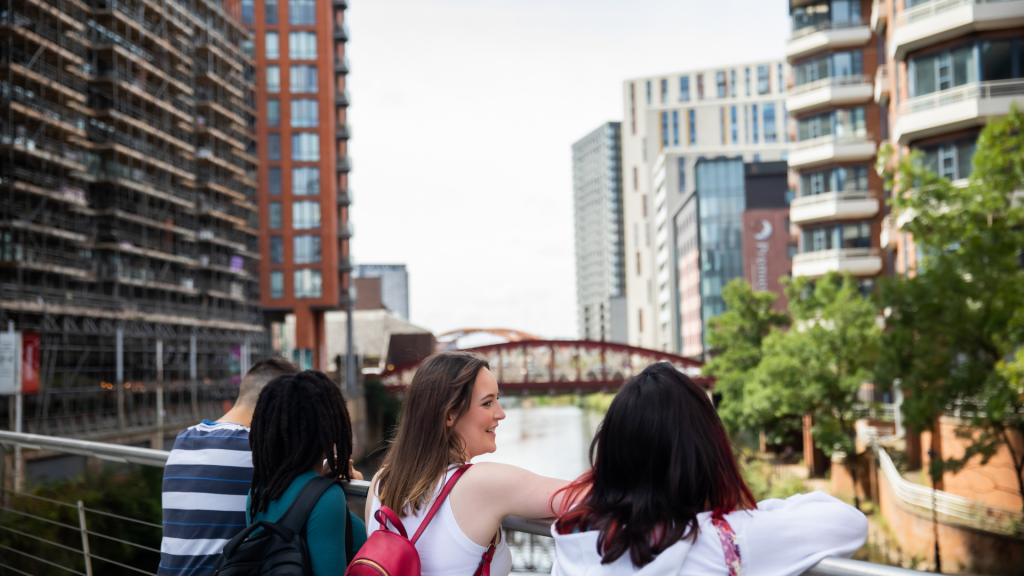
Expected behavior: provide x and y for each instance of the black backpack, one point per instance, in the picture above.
(280, 547)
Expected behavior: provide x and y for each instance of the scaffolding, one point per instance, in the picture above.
(127, 178)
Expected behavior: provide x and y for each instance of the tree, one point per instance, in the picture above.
(737, 335)
(955, 328)
(818, 367)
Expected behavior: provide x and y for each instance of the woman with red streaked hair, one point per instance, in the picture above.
(664, 496)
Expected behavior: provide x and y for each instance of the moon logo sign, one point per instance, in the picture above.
(766, 231)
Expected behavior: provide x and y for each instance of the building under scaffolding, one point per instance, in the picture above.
(127, 177)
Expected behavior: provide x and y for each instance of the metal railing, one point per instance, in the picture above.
(976, 90)
(826, 25)
(835, 140)
(831, 197)
(929, 9)
(840, 254)
(355, 491)
(830, 82)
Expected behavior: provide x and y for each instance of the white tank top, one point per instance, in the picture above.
(444, 549)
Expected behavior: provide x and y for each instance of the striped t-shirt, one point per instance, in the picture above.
(206, 482)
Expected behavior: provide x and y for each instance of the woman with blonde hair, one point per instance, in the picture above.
(449, 416)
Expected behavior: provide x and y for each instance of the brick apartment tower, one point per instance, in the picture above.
(834, 56)
(302, 138)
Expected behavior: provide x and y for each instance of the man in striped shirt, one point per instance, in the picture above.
(207, 479)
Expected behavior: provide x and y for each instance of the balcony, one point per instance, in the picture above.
(827, 35)
(341, 32)
(344, 164)
(879, 17)
(956, 109)
(942, 20)
(345, 197)
(826, 149)
(340, 3)
(856, 261)
(882, 84)
(342, 65)
(833, 206)
(342, 98)
(887, 238)
(345, 229)
(343, 131)
(835, 91)
(346, 263)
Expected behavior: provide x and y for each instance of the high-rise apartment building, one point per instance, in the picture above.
(671, 122)
(394, 285)
(127, 172)
(948, 68)
(835, 57)
(302, 134)
(597, 209)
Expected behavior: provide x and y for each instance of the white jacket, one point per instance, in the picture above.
(781, 537)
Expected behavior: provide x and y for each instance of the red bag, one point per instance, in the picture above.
(389, 554)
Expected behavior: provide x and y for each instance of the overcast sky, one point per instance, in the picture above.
(464, 113)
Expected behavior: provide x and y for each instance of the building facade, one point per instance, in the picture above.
(835, 58)
(597, 210)
(671, 122)
(128, 225)
(302, 137)
(394, 285)
(949, 67)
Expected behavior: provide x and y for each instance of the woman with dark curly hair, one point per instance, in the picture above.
(300, 430)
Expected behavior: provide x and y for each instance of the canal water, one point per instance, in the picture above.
(549, 440)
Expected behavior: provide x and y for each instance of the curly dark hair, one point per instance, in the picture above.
(299, 420)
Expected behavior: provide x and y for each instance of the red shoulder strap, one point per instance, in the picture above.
(439, 500)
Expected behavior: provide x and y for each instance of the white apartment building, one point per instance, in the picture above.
(670, 122)
(597, 209)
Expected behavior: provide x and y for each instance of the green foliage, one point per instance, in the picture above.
(133, 495)
(955, 328)
(737, 335)
(765, 480)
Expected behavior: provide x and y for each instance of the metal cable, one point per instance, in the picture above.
(13, 569)
(75, 528)
(72, 570)
(160, 526)
(41, 498)
(91, 533)
(76, 550)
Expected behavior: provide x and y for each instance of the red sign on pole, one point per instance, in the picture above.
(30, 363)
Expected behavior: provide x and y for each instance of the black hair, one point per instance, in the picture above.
(260, 375)
(299, 420)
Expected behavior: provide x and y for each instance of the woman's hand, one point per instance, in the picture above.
(354, 474)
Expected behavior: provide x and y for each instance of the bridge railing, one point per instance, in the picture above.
(355, 491)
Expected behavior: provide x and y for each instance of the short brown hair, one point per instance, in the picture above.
(424, 446)
(260, 375)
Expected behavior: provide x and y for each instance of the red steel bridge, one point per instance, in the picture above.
(561, 366)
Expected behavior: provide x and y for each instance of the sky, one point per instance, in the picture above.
(463, 116)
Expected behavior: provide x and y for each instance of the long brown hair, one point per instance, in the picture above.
(425, 446)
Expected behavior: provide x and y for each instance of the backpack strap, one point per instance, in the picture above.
(730, 545)
(295, 517)
(439, 500)
(350, 545)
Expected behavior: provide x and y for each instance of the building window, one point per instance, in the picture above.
(746, 124)
(274, 181)
(632, 107)
(682, 174)
(307, 250)
(675, 127)
(769, 123)
(273, 146)
(273, 112)
(271, 46)
(763, 80)
(721, 126)
(305, 215)
(837, 65)
(273, 79)
(844, 236)
(302, 45)
(249, 48)
(732, 83)
(302, 12)
(684, 88)
(945, 70)
(305, 181)
(997, 60)
(664, 129)
(308, 284)
(277, 284)
(274, 215)
(303, 79)
(664, 91)
(637, 263)
(700, 86)
(734, 126)
(848, 123)
(748, 81)
(720, 80)
(782, 85)
(247, 12)
(305, 113)
(693, 127)
(636, 179)
(276, 250)
(844, 179)
(270, 11)
(791, 250)
(754, 125)
(834, 13)
(306, 147)
(951, 160)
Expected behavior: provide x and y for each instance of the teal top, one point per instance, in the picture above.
(325, 527)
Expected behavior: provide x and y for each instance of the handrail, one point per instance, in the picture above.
(980, 90)
(830, 81)
(929, 9)
(836, 140)
(826, 197)
(358, 489)
(836, 253)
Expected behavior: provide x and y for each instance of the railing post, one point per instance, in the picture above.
(85, 539)
(159, 437)
(120, 379)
